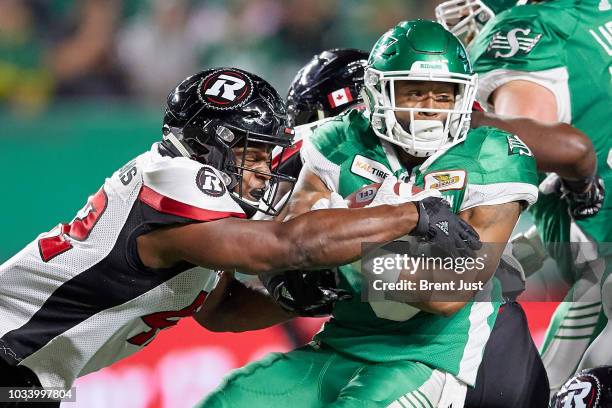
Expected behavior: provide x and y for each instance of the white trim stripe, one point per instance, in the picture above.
(478, 334)
(498, 193)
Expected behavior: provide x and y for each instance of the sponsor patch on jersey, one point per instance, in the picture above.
(369, 169)
(511, 41)
(445, 180)
(209, 182)
(517, 146)
(225, 89)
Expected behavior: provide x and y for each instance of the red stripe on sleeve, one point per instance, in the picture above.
(169, 206)
(287, 153)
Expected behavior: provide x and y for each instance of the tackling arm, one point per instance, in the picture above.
(314, 240)
(310, 189)
(234, 307)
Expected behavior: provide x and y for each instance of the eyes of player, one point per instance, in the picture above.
(418, 95)
(256, 156)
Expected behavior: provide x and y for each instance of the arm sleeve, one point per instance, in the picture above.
(507, 173)
(555, 80)
(525, 44)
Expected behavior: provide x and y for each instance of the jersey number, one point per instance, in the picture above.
(79, 228)
(162, 320)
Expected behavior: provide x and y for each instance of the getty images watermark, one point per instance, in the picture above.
(415, 272)
(412, 271)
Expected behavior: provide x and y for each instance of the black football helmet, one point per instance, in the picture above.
(210, 113)
(330, 83)
(590, 388)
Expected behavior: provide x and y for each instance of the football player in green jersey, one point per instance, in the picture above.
(552, 61)
(392, 353)
(465, 18)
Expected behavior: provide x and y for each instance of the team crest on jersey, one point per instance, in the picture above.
(581, 391)
(445, 180)
(507, 43)
(517, 146)
(369, 169)
(225, 89)
(209, 182)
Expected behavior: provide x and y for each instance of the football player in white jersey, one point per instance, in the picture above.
(145, 249)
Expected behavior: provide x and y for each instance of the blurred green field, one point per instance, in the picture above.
(51, 163)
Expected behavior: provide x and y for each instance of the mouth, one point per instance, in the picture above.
(257, 193)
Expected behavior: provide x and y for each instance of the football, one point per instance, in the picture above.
(366, 194)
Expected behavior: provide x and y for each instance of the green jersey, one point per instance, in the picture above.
(489, 167)
(565, 46)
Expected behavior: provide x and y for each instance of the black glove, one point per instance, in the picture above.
(583, 204)
(306, 293)
(440, 226)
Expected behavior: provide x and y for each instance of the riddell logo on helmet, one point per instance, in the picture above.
(441, 66)
(225, 89)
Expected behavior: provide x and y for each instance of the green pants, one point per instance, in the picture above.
(312, 377)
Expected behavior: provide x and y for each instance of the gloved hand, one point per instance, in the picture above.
(440, 226)
(583, 203)
(437, 223)
(584, 197)
(306, 293)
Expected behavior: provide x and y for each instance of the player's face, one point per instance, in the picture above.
(256, 158)
(423, 94)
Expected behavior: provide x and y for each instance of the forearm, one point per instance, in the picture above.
(558, 148)
(328, 238)
(243, 309)
(314, 240)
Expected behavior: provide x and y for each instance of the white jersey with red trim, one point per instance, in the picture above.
(78, 298)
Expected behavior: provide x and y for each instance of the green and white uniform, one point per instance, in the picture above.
(388, 353)
(565, 46)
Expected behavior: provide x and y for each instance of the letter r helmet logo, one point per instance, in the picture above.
(225, 89)
(229, 84)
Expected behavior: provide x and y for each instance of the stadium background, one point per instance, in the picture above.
(82, 88)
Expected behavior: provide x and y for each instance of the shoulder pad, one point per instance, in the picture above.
(332, 138)
(503, 170)
(186, 188)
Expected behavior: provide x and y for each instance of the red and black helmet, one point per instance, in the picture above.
(329, 84)
(214, 111)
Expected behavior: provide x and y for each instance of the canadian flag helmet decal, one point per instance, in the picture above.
(340, 97)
